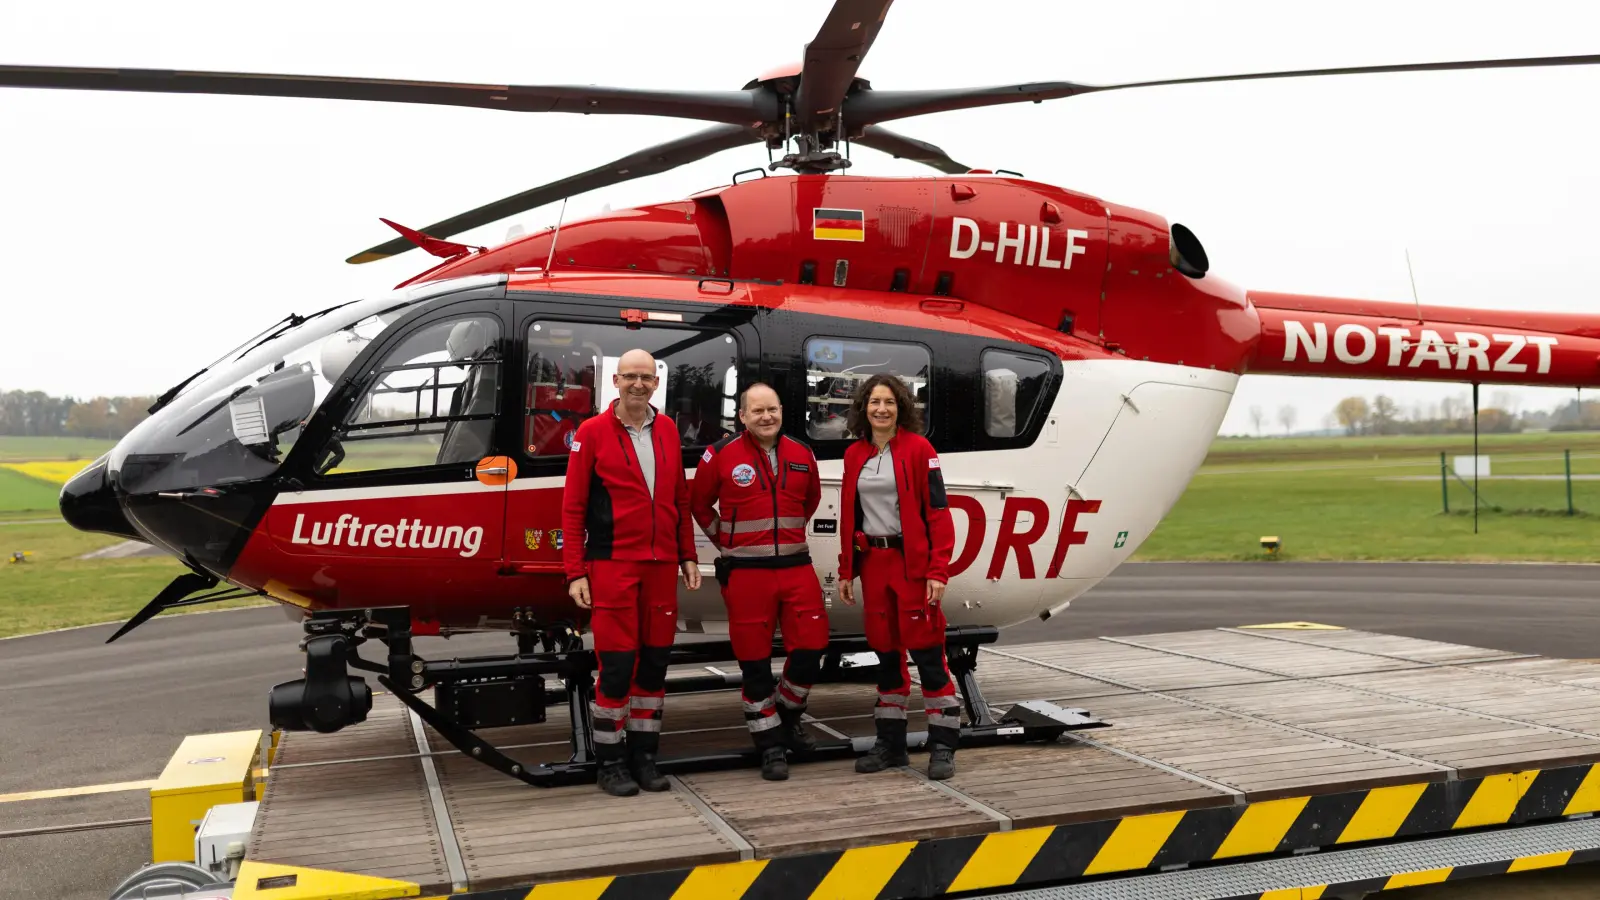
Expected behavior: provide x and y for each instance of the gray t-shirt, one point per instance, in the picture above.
(875, 491)
(643, 450)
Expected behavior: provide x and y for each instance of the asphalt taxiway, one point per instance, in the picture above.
(78, 712)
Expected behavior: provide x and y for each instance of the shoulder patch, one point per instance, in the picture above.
(576, 444)
(707, 456)
(933, 462)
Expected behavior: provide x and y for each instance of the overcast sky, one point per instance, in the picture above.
(140, 235)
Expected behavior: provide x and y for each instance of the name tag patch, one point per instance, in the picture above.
(799, 467)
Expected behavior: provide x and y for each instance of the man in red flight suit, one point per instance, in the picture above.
(753, 494)
(626, 511)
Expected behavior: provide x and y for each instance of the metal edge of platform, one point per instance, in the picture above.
(1127, 847)
(1354, 873)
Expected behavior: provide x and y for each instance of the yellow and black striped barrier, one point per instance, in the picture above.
(1058, 854)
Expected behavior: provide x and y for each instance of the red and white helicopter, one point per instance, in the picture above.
(392, 467)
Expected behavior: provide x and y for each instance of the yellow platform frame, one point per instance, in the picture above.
(205, 771)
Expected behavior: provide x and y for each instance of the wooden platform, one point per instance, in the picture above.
(1224, 744)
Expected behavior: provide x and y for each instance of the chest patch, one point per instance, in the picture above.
(743, 474)
(799, 467)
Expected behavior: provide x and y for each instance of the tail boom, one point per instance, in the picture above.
(1332, 337)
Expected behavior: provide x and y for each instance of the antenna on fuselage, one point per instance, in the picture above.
(1413, 276)
(550, 260)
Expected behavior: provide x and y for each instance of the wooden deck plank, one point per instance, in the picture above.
(892, 806)
(1551, 705)
(1264, 654)
(1416, 649)
(1008, 681)
(307, 818)
(1575, 672)
(509, 831)
(1074, 782)
(1458, 739)
(1167, 731)
(1146, 669)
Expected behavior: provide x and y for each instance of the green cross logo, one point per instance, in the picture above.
(1122, 538)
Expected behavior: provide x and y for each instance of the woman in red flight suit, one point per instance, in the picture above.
(899, 544)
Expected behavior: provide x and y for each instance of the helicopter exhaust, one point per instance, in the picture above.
(1186, 253)
(328, 698)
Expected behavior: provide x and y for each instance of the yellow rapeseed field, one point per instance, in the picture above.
(54, 471)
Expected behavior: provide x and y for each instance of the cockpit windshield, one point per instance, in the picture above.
(238, 419)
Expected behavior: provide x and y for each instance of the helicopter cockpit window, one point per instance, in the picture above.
(1012, 385)
(430, 401)
(836, 367)
(570, 365)
(238, 419)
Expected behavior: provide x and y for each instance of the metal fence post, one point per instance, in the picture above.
(1568, 454)
(1444, 482)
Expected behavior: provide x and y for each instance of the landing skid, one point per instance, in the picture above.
(511, 690)
(1033, 720)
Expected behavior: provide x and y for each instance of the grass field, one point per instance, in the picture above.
(1381, 499)
(21, 493)
(25, 449)
(1390, 447)
(55, 589)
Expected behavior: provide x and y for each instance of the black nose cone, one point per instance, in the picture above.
(89, 503)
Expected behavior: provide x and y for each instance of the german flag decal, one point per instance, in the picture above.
(838, 225)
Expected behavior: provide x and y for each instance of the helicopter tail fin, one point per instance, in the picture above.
(436, 246)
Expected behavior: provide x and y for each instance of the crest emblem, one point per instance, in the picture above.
(555, 537)
(531, 537)
(743, 474)
(568, 440)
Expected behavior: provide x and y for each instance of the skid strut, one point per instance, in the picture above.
(485, 690)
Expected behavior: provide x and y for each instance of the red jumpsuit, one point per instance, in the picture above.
(896, 615)
(755, 510)
(631, 547)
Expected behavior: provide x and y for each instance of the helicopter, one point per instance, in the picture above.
(392, 467)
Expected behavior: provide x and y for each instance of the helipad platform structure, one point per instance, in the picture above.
(1270, 747)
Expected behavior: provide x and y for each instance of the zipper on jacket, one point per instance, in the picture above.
(761, 467)
(655, 447)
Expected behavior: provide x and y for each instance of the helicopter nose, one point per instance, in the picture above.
(89, 503)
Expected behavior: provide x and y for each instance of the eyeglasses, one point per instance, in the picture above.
(631, 377)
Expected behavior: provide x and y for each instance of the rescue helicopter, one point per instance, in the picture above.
(392, 467)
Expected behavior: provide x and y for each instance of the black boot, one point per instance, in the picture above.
(941, 763)
(890, 749)
(642, 747)
(774, 765)
(794, 734)
(615, 780)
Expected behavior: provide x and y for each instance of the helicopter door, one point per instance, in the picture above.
(569, 361)
(413, 470)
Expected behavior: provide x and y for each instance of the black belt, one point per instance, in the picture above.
(885, 543)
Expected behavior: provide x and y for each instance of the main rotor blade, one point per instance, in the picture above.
(731, 107)
(649, 161)
(832, 58)
(902, 147)
(884, 106)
